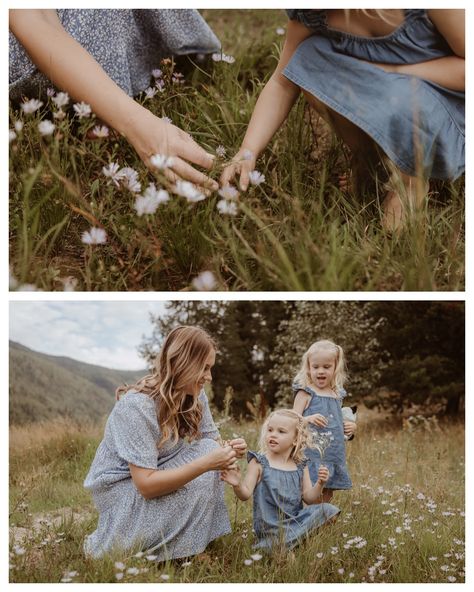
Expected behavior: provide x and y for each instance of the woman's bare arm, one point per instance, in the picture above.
(70, 67)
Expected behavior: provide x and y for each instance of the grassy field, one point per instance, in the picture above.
(403, 521)
(295, 231)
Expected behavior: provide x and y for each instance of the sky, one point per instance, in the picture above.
(105, 333)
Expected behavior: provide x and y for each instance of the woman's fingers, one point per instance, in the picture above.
(190, 150)
(187, 172)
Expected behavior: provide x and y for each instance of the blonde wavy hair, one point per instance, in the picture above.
(303, 377)
(180, 363)
(304, 438)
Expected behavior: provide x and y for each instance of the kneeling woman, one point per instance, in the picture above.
(154, 477)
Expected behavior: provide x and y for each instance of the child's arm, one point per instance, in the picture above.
(301, 402)
(272, 108)
(243, 489)
(450, 70)
(312, 494)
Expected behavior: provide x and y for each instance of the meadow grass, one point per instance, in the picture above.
(296, 231)
(403, 521)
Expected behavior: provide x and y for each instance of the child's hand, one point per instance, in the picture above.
(349, 428)
(323, 474)
(239, 445)
(318, 420)
(242, 164)
(232, 477)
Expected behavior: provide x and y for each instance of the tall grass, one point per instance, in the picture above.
(403, 521)
(297, 231)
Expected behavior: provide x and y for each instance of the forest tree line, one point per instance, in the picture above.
(399, 353)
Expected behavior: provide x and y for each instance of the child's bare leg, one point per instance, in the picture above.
(405, 195)
(363, 152)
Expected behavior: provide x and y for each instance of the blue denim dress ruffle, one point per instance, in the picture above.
(418, 124)
(335, 454)
(128, 44)
(278, 511)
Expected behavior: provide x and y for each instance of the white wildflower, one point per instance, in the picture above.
(113, 171)
(31, 106)
(220, 151)
(189, 191)
(227, 207)
(248, 562)
(50, 92)
(46, 127)
(19, 550)
(82, 109)
(256, 557)
(256, 178)
(119, 565)
(129, 178)
(161, 161)
(222, 57)
(186, 564)
(451, 579)
(133, 571)
(340, 571)
(151, 557)
(160, 86)
(61, 99)
(150, 92)
(139, 554)
(94, 236)
(101, 131)
(156, 73)
(11, 136)
(119, 576)
(164, 577)
(228, 192)
(205, 282)
(280, 31)
(167, 119)
(319, 555)
(59, 115)
(18, 125)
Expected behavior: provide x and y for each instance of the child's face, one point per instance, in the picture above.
(204, 376)
(322, 365)
(280, 436)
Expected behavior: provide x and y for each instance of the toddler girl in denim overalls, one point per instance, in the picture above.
(319, 392)
(279, 481)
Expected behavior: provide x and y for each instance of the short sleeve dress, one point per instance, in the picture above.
(179, 524)
(419, 125)
(128, 44)
(335, 454)
(278, 511)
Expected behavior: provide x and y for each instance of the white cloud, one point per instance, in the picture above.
(102, 333)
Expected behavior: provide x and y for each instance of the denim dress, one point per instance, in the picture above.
(128, 44)
(334, 457)
(418, 124)
(278, 511)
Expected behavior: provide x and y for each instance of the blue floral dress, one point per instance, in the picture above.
(128, 44)
(335, 455)
(178, 524)
(278, 511)
(418, 124)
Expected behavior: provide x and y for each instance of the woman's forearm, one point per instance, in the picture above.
(70, 67)
(155, 483)
(271, 110)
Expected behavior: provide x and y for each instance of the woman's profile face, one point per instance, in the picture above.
(204, 376)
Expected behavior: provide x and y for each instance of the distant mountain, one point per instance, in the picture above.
(44, 386)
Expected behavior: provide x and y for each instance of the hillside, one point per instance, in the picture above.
(44, 387)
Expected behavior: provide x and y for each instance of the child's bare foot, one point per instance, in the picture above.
(405, 196)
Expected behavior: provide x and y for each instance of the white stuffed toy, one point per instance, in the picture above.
(349, 414)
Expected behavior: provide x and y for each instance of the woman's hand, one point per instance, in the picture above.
(239, 445)
(232, 477)
(349, 428)
(151, 135)
(221, 458)
(318, 420)
(323, 475)
(242, 164)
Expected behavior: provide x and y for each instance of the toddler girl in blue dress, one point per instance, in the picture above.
(279, 482)
(389, 82)
(319, 392)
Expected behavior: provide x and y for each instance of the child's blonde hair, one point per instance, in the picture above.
(179, 364)
(303, 437)
(303, 377)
